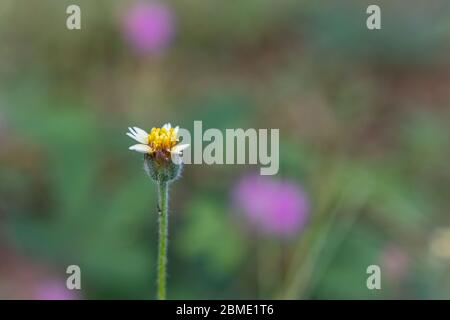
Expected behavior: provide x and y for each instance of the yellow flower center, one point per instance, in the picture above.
(162, 139)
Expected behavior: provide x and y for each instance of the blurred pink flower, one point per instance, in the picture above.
(395, 262)
(149, 27)
(55, 290)
(273, 206)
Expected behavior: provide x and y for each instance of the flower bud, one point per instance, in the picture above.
(161, 168)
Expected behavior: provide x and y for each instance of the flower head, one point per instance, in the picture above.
(161, 149)
(272, 206)
(162, 141)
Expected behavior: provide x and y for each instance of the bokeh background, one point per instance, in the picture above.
(364, 148)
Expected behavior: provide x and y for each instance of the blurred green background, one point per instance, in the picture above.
(364, 131)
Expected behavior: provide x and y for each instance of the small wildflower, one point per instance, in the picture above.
(162, 161)
(161, 149)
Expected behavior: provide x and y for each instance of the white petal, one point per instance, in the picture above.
(142, 135)
(141, 132)
(167, 126)
(138, 134)
(178, 148)
(142, 148)
(176, 130)
(132, 131)
(136, 138)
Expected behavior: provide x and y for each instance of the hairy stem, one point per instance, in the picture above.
(163, 235)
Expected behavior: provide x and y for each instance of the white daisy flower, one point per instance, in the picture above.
(160, 141)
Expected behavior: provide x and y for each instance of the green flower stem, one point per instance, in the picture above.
(163, 235)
